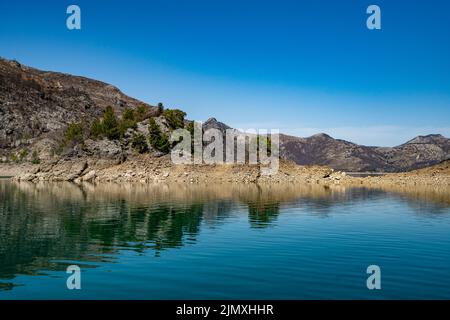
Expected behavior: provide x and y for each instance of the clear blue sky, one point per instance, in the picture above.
(300, 66)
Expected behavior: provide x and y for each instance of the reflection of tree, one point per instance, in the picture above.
(263, 206)
(33, 235)
(160, 227)
(167, 225)
(262, 214)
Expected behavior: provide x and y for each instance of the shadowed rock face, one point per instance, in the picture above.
(36, 106)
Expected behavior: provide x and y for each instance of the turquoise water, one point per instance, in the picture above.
(195, 242)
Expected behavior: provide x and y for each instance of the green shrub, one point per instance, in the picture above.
(128, 121)
(23, 154)
(142, 109)
(35, 158)
(139, 143)
(190, 128)
(158, 140)
(96, 129)
(128, 114)
(124, 125)
(74, 133)
(175, 118)
(160, 109)
(110, 125)
(142, 113)
(113, 128)
(14, 157)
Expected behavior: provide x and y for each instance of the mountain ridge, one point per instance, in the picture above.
(37, 106)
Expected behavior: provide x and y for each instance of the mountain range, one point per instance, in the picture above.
(37, 106)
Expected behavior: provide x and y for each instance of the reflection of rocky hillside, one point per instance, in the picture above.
(45, 222)
(49, 228)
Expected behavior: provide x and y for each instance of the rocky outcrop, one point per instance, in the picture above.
(72, 170)
(147, 169)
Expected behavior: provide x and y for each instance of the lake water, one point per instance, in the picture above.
(222, 242)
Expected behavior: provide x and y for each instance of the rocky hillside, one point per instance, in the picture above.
(322, 149)
(38, 105)
(338, 154)
(37, 109)
(417, 153)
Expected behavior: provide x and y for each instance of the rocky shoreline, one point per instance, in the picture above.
(149, 169)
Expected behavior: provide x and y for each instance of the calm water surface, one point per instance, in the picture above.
(206, 242)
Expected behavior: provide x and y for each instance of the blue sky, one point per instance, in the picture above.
(300, 66)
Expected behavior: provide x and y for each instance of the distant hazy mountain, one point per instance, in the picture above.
(36, 106)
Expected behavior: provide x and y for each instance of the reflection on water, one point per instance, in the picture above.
(45, 227)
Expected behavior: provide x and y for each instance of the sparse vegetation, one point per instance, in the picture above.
(13, 157)
(20, 156)
(58, 149)
(27, 136)
(35, 158)
(23, 154)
